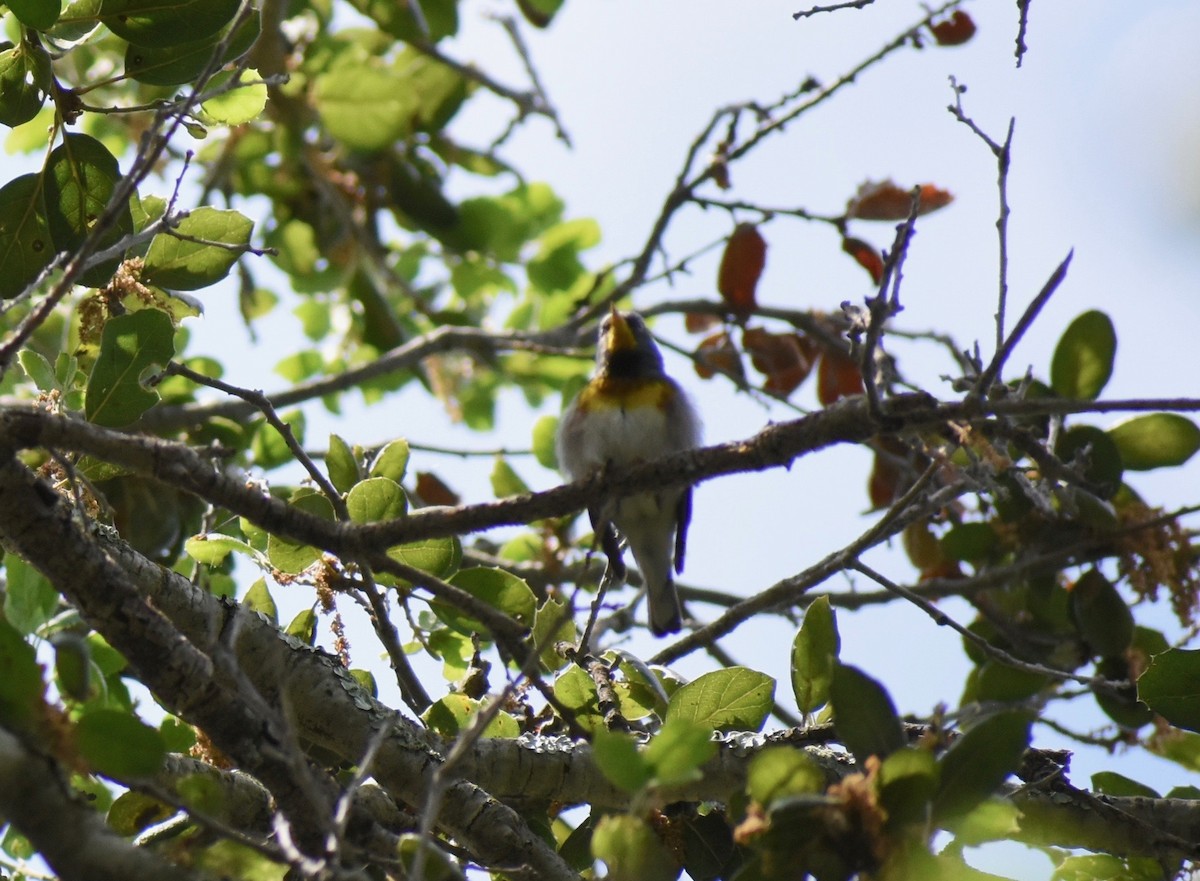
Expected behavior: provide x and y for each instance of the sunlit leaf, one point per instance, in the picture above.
(1083, 358)
(199, 252)
(131, 345)
(80, 178)
(25, 75)
(735, 698)
(1155, 440)
(814, 654)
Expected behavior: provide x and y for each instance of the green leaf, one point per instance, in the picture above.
(130, 346)
(678, 750)
(72, 665)
(1101, 615)
(454, 713)
(733, 699)
(1083, 359)
(505, 480)
(864, 715)
(211, 548)
(631, 850)
(969, 542)
(999, 682)
(366, 679)
(269, 447)
(439, 557)
(440, 16)
(616, 755)
(176, 65)
(1103, 468)
(26, 247)
(391, 461)
(304, 627)
(545, 430)
(243, 101)
(38, 369)
(438, 866)
(576, 691)
(258, 599)
(907, 781)
(1112, 783)
(1103, 867)
(25, 80)
(37, 14)
(30, 600)
(979, 761)
(1156, 440)
(440, 89)
(341, 464)
(21, 685)
(539, 13)
(188, 264)
(994, 819)
(814, 654)
(161, 23)
(782, 771)
(365, 108)
(1169, 687)
(80, 178)
(376, 498)
(287, 556)
(500, 589)
(134, 811)
(119, 745)
(554, 624)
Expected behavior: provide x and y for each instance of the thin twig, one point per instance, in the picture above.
(1003, 154)
(849, 4)
(992, 373)
(942, 619)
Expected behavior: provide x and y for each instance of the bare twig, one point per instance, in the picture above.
(849, 4)
(992, 373)
(1003, 154)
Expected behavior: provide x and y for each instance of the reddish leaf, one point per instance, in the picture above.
(433, 491)
(955, 30)
(741, 266)
(884, 200)
(866, 256)
(933, 198)
(884, 487)
(785, 359)
(698, 322)
(717, 354)
(837, 377)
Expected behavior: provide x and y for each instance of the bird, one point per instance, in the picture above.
(629, 412)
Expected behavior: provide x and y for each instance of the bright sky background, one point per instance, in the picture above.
(1105, 161)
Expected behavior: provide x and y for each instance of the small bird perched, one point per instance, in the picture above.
(629, 412)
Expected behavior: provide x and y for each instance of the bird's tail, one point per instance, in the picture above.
(649, 523)
(652, 545)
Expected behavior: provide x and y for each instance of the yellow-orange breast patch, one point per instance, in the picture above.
(621, 393)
